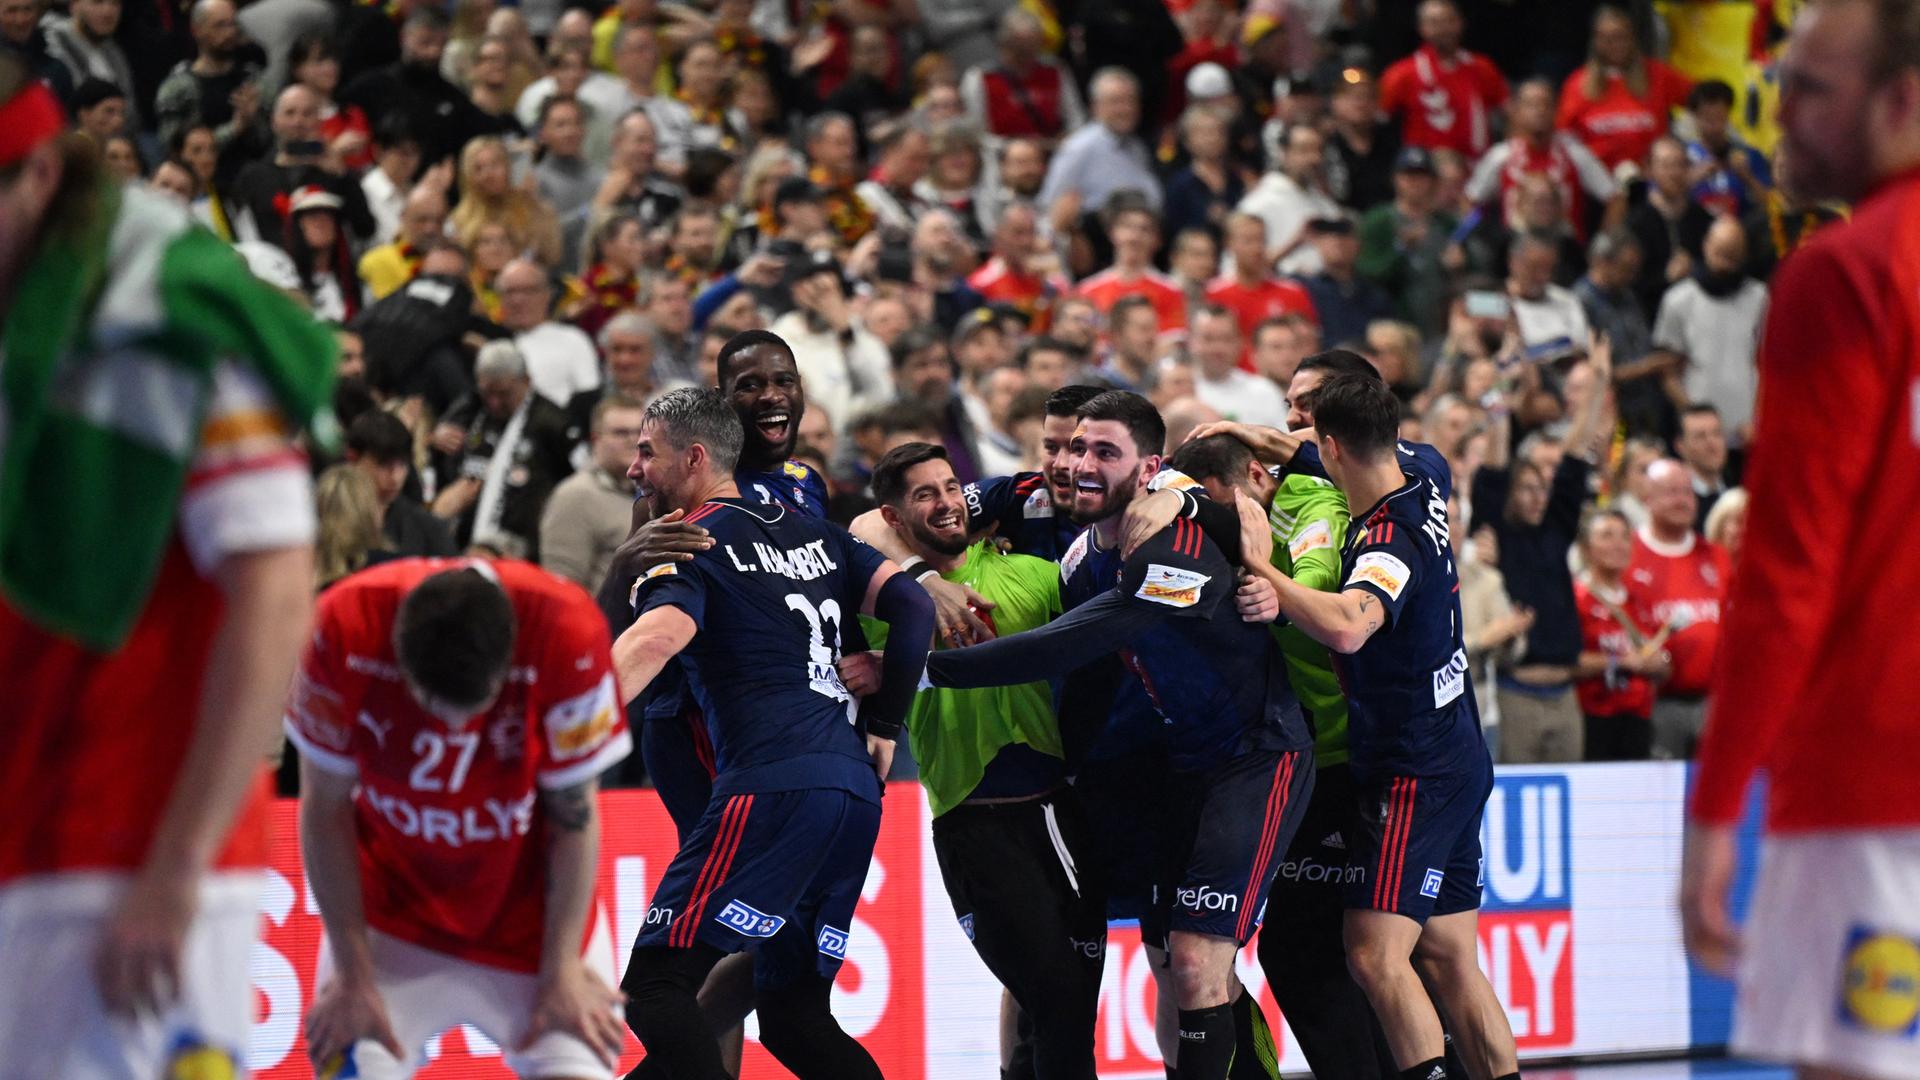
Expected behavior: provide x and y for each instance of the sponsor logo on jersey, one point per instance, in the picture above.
(1038, 505)
(1381, 570)
(1205, 898)
(579, 725)
(1315, 537)
(318, 712)
(1076, 554)
(1880, 987)
(662, 570)
(1430, 885)
(1315, 872)
(966, 925)
(833, 942)
(1335, 841)
(796, 470)
(1172, 585)
(374, 727)
(659, 916)
(742, 919)
(1092, 949)
(491, 819)
(1450, 681)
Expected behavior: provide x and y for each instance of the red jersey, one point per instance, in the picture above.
(1682, 587)
(1107, 287)
(1821, 671)
(1254, 304)
(1030, 294)
(1025, 106)
(1617, 126)
(91, 745)
(1603, 631)
(444, 813)
(1443, 104)
(1573, 170)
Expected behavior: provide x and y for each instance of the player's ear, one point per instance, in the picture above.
(891, 516)
(1151, 466)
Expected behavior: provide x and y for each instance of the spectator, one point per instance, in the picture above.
(1620, 100)
(1680, 581)
(1711, 324)
(498, 454)
(1362, 148)
(175, 180)
(833, 166)
(1103, 156)
(1218, 379)
(634, 183)
(1493, 631)
(591, 512)
(1050, 363)
(312, 63)
(489, 197)
(385, 187)
(1135, 232)
(1620, 658)
(1292, 194)
(955, 180)
(559, 359)
(845, 369)
(1535, 149)
(1780, 222)
(942, 258)
(1726, 525)
(1133, 331)
(1671, 227)
(319, 252)
(1344, 301)
(83, 40)
(490, 83)
(1606, 295)
(22, 36)
(1627, 488)
(1027, 95)
(216, 89)
(923, 371)
(1443, 95)
(348, 519)
(1280, 343)
(871, 94)
(904, 156)
(379, 445)
(612, 278)
(1551, 322)
(1702, 448)
(1204, 191)
(100, 110)
(669, 304)
(565, 179)
(1020, 272)
(1407, 244)
(1021, 169)
(570, 74)
(1729, 177)
(122, 159)
(1195, 258)
(417, 336)
(1248, 288)
(262, 189)
(493, 248)
(629, 341)
(386, 268)
(440, 116)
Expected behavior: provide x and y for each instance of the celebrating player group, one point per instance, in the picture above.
(1136, 684)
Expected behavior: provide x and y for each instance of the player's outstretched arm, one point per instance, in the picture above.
(645, 647)
(1270, 445)
(347, 1007)
(570, 997)
(269, 595)
(1094, 629)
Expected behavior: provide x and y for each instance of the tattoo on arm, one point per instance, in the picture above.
(569, 808)
(1366, 603)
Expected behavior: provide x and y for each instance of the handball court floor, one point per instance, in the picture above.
(1692, 1069)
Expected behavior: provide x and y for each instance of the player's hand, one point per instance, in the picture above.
(1270, 445)
(344, 1012)
(575, 1000)
(1256, 532)
(881, 751)
(1256, 599)
(1706, 873)
(663, 540)
(953, 611)
(1146, 517)
(860, 673)
(137, 964)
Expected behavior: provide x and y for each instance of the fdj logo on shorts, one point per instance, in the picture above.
(742, 919)
(1880, 983)
(1526, 924)
(833, 942)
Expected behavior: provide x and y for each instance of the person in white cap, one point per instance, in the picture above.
(320, 259)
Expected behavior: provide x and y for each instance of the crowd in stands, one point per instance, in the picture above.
(527, 221)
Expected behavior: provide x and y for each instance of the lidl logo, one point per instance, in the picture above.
(1880, 989)
(1526, 922)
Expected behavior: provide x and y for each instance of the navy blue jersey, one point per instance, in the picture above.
(1413, 456)
(1019, 508)
(770, 600)
(1411, 699)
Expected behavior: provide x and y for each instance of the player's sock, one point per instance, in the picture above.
(1255, 1057)
(1430, 1069)
(1206, 1043)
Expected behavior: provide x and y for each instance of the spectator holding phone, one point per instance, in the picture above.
(262, 193)
(1551, 321)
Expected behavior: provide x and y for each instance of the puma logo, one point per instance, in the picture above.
(366, 720)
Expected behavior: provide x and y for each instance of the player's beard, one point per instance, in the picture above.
(1113, 501)
(945, 542)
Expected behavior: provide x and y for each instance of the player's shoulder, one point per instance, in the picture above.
(1076, 555)
(537, 589)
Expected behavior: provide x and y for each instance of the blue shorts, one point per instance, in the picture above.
(678, 753)
(1230, 831)
(774, 873)
(1416, 843)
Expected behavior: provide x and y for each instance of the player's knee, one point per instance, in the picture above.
(1374, 963)
(794, 1018)
(1199, 978)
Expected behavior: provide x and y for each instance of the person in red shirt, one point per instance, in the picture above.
(1536, 149)
(1135, 233)
(453, 718)
(1009, 276)
(1028, 94)
(1821, 671)
(1679, 581)
(1443, 95)
(1248, 290)
(1620, 656)
(1619, 101)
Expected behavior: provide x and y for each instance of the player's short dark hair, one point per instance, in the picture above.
(1067, 400)
(379, 437)
(745, 340)
(453, 635)
(1360, 413)
(890, 474)
(1141, 419)
(700, 414)
(1709, 92)
(1337, 362)
(1216, 457)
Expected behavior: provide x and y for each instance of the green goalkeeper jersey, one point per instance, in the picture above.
(1309, 520)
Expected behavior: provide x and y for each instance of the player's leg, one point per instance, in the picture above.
(726, 999)
(1448, 956)
(663, 1009)
(1302, 950)
(1380, 955)
(1016, 1040)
